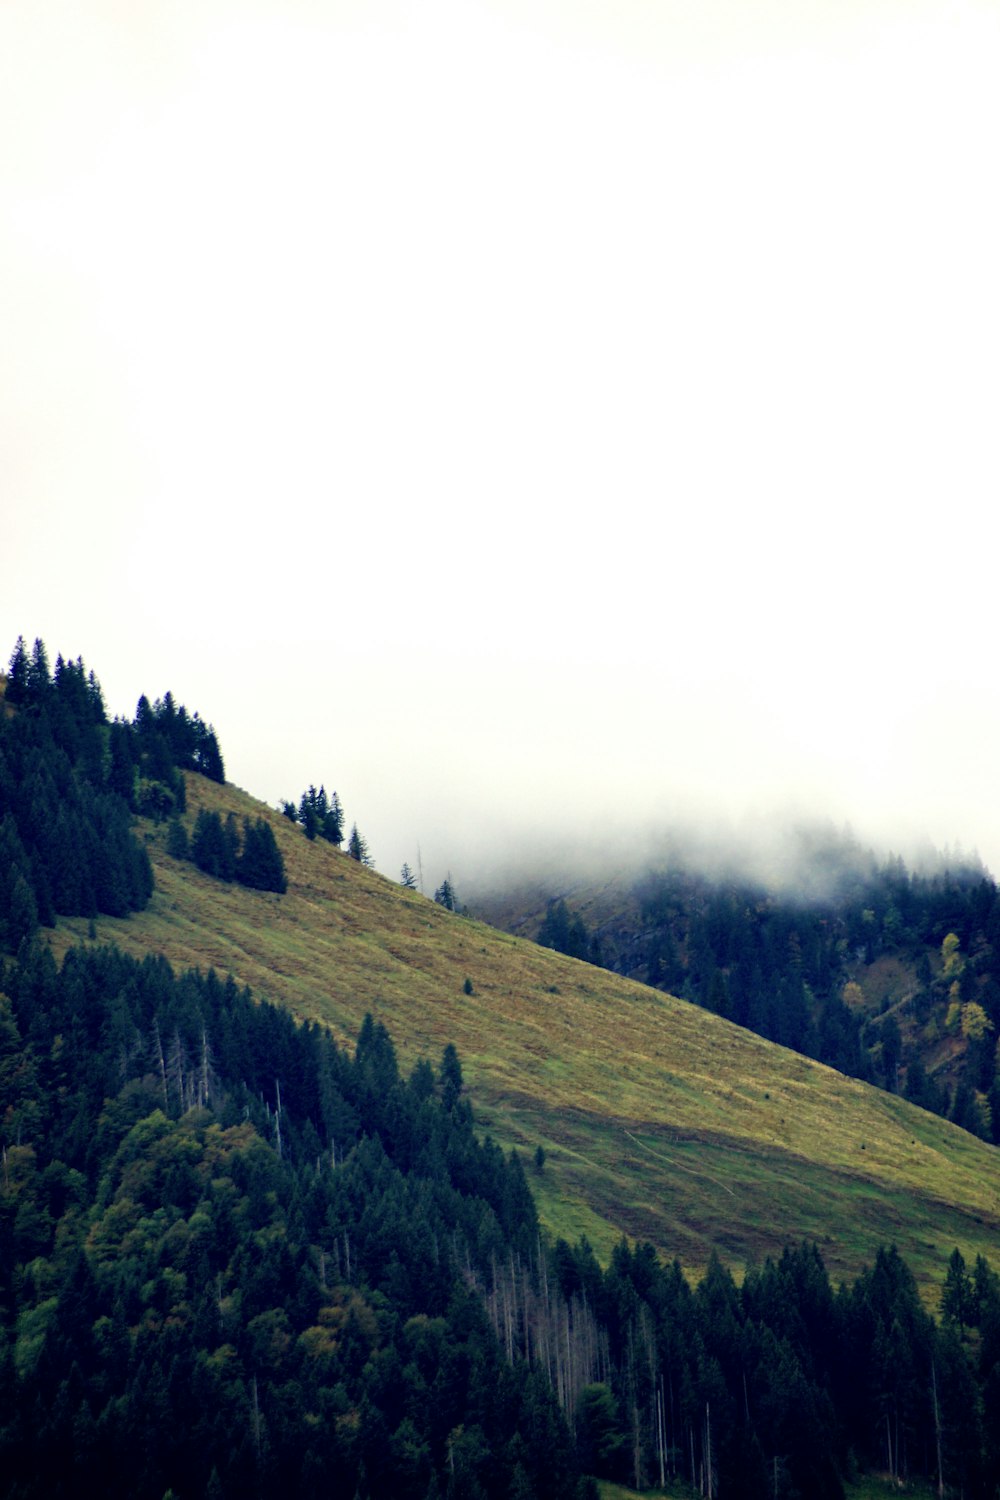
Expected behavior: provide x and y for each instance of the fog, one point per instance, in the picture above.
(544, 425)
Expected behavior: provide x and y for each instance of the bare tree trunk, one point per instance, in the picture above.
(661, 1433)
(256, 1419)
(206, 1069)
(636, 1446)
(163, 1066)
(177, 1072)
(937, 1432)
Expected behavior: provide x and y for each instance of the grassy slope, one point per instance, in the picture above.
(872, 1487)
(657, 1118)
(888, 985)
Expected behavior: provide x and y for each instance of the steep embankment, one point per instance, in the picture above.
(657, 1118)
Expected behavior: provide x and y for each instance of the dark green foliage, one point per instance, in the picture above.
(923, 1090)
(957, 1294)
(70, 782)
(599, 1434)
(169, 737)
(260, 864)
(215, 845)
(777, 1387)
(255, 861)
(564, 931)
(216, 1229)
(445, 895)
(450, 1077)
(234, 1260)
(357, 848)
(320, 816)
(122, 770)
(332, 822)
(66, 841)
(17, 673)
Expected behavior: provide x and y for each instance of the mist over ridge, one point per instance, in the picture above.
(808, 859)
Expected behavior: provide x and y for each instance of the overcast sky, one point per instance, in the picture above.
(510, 412)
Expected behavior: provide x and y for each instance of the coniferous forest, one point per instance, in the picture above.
(234, 1257)
(237, 1259)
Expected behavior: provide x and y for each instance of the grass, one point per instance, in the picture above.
(610, 1491)
(877, 1487)
(871, 1487)
(658, 1119)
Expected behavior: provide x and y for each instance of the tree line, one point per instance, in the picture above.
(778, 1386)
(67, 846)
(71, 784)
(224, 849)
(322, 817)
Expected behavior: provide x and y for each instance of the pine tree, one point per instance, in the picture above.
(260, 864)
(308, 816)
(207, 756)
(450, 1077)
(122, 775)
(39, 678)
(332, 828)
(956, 1295)
(357, 847)
(208, 845)
(17, 673)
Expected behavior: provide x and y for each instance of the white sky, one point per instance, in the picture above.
(520, 411)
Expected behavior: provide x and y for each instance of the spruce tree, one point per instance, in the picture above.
(260, 864)
(357, 847)
(308, 816)
(333, 822)
(39, 677)
(17, 673)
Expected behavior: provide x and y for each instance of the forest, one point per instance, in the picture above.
(237, 1257)
(72, 783)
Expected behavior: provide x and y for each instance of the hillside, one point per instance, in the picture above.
(657, 1118)
(887, 973)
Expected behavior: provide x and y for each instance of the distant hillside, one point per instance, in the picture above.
(889, 974)
(655, 1118)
